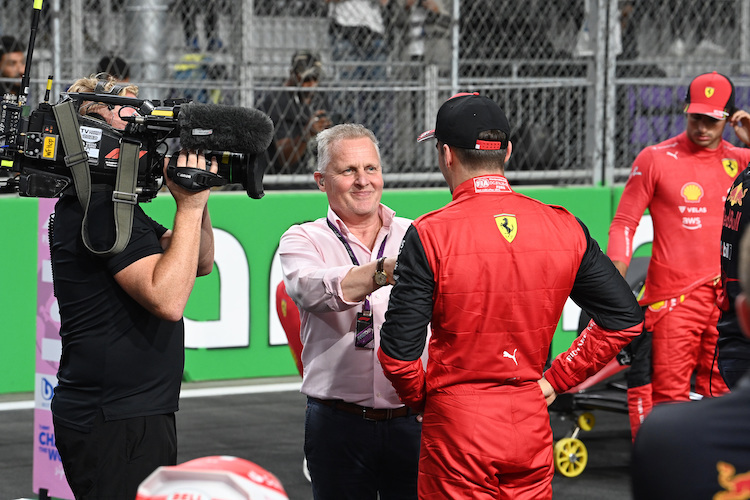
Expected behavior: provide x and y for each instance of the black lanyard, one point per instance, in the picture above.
(349, 250)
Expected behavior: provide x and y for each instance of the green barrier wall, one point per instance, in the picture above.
(256, 226)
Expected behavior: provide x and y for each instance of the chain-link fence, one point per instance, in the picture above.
(585, 83)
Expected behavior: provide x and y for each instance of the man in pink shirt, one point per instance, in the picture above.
(360, 439)
(683, 181)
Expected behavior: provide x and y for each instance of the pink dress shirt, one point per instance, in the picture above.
(314, 262)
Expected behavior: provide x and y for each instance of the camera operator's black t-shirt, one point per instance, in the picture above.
(116, 356)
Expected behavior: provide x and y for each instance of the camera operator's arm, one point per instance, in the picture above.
(162, 283)
(292, 149)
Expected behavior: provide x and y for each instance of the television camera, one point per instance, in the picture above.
(54, 147)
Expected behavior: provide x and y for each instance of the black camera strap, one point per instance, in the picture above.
(123, 196)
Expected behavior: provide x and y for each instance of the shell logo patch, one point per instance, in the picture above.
(736, 195)
(709, 91)
(730, 166)
(284, 311)
(507, 225)
(692, 192)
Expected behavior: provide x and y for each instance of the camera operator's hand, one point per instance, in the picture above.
(192, 205)
(182, 196)
(318, 122)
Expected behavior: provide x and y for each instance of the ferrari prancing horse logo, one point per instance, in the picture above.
(507, 225)
(730, 166)
(709, 92)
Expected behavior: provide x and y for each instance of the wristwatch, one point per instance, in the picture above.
(380, 277)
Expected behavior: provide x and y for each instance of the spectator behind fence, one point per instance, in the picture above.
(360, 440)
(12, 64)
(492, 271)
(733, 345)
(298, 115)
(682, 181)
(115, 66)
(188, 11)
(357, 32)
(699, 449)
(429, 39)
(121, 325)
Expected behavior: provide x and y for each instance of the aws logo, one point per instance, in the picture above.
(736, 195)
(507, 225)
(692, 192)
(730, 166)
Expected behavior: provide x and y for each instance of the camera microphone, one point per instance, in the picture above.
(224, 128)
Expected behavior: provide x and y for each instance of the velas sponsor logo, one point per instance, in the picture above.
(692, 192)
(508, 226)
(736, 195)
(735, 486)
(730, 166)
(732, 220)
(693, 210)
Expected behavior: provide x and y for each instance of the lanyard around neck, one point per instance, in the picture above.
(349, 248)
(366, 306)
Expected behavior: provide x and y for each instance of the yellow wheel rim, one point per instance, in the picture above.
(571, 457)
(586, 421)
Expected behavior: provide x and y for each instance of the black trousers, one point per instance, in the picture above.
(114, 458)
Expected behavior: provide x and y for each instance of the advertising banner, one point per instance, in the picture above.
(48, 470)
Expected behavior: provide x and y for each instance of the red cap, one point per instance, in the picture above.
(710, 94)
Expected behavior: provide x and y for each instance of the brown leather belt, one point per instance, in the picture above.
(365, 412)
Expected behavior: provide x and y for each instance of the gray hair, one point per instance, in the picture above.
(329, 136)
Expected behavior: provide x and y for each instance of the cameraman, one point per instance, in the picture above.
(121, 326)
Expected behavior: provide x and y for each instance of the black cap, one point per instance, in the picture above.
(463, 117)
(10, 44)
(307, 65)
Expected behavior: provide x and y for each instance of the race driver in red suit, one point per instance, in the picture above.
(683, 181)
(491, 272)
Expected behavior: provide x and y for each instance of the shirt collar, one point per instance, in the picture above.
(483, 184)
(386, 216)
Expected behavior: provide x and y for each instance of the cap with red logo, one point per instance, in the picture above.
(710, 94)
(463, 117)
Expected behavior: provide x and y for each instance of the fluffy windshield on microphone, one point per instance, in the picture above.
(224, 128)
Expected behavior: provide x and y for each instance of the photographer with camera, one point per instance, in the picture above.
(121, 324)
(298, 115)
(12, 64)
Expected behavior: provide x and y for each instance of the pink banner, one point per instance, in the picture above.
(48, 470)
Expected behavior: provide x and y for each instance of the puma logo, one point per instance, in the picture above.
(506, 354)
(673, 154)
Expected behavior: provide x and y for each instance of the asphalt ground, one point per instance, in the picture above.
(239, 418)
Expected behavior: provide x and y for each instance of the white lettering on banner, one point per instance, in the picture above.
(643, 235)
(276, 334)
(232, 329)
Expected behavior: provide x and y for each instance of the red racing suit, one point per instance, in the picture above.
(684, 186)
(491, 271)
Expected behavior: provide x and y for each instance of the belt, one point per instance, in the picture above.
(365, 412)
